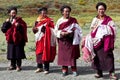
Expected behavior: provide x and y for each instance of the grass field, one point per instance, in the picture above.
(83, 10)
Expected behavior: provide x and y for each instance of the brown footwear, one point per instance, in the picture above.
(38, 70)
(98, 76)
(113, 76)
(11, 68)
(18, 69)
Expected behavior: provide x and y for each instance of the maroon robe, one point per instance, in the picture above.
(67, 52)
(104, 59)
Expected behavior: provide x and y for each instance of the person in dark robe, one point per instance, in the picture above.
(15, 30)
(45, 41)
(69, 34)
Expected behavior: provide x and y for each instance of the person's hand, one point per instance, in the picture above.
(7, 20)
(16, 24)
(35, 30)
(64, 33)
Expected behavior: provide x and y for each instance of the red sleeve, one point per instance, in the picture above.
(51, 24)
(24, 27)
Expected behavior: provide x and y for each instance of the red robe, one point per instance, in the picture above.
(43, 46)
(13, 35)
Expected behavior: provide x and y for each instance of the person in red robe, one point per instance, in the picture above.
(45, 41)
(69, 36)
(15, 30)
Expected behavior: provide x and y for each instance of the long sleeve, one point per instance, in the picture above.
(77, 35)
(5, 26)
(112, 24)
(57, 32)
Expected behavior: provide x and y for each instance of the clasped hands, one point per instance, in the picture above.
(66, 34)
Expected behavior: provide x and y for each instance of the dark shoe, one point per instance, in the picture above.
(64, 74)
(98, 76)
(113, 76)
(11, 68)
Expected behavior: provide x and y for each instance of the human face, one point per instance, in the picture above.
(13, 13)
(101, 11)
(66, 13)
(43, 14)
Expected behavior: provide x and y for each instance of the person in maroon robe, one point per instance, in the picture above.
(69, 35)
(45, 41)
(15, 30)
(100, 43)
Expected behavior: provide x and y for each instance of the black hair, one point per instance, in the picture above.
(12, 8)
(101, 3)
(65, 6)
(42, 9)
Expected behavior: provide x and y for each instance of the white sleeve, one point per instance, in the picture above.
(79, 30)
(94, 23)
(77, 35)
(57, 32)
(112, 24)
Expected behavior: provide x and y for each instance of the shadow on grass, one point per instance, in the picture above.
(27, 68)
(55, 69)
(106, 76)
(3, 68)
(81, 70)
(86, 70)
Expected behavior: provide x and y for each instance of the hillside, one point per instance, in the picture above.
(81, 9)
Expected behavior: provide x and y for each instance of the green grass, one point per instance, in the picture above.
(82, 10)
(30, 46)
(118, 60)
